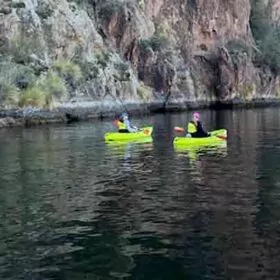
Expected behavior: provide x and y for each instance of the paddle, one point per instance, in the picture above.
(181, 129)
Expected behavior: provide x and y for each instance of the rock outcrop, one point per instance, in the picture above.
(117, 52)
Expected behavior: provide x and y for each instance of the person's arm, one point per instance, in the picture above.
(203, 132)
(129, 127)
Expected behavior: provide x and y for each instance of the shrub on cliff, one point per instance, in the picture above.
(237, 47)
(44, 92)
(13, 78)
(93, 65)
(68, 71)
(270, 50)
(143, 92)
(9, 94)
(20, 86)
(16, 74)
(266, 33)
(107, 9)
(24, 45)
(33, 96)
(158, 42)
(89, 69)
(102, 58)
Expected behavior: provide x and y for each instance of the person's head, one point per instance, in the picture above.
(196, 116)
(124, 116)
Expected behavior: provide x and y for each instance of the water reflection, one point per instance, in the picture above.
(74, 207)
(123, 154)
(194, 152)
(196, 157)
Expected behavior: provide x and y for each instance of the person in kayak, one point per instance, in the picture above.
(195, 128)
(124, 124)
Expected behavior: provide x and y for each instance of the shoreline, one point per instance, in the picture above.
(35, 117)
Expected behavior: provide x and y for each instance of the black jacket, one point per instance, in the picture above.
(200, 131)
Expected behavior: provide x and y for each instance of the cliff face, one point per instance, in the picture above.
(130, 50)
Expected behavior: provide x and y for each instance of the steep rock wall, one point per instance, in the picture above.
(132, 51)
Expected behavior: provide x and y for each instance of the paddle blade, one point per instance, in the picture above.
(146, 131)
(179, 129)
(221, 137)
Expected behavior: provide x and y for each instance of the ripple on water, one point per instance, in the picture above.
(73, 207)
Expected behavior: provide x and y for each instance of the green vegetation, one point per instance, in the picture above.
(19, 86)
(102, 58)
(44, 9)
(266, 33)
(104, 10)
(109, 8)
(158, 42)
(22, 85)
(10, 94)
(236, 47)
(141, 4)
(89, 69)
(68, 71)
(27, 78)
(143, 92)
(13, 78)
(123, 71)
(33, 96)
(247, 91)
(44, 91)
(24, 45)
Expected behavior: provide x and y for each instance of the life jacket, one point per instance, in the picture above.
(192, 127)
(121, 125)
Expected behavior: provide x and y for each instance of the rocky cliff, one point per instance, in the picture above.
(111, 52)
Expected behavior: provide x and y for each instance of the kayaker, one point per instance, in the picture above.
(124, 124)
(195, 128)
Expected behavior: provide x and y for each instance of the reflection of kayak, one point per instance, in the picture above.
(126, 149)
(194, 152)
(217, 149)
(119, 143)
(217, 137)
(143, 134)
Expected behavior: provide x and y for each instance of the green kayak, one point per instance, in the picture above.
(217, 136)
(143, 134)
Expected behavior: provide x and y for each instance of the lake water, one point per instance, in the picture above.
(75, 208)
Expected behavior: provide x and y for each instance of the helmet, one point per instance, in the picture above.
(124, 115)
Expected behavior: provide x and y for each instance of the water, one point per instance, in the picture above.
(72, 207)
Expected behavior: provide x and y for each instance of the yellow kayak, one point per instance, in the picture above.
(144, 133)
(217, 136)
